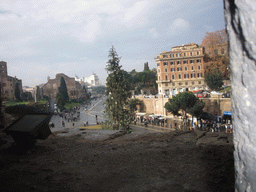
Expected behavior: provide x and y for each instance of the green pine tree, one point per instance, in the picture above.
(60, 101)
(63, 89)
(118, 93)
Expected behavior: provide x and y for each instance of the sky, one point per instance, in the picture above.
(42, 38)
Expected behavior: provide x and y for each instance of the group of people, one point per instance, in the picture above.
(151, 120)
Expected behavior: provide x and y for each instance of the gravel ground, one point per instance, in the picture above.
(102, 160)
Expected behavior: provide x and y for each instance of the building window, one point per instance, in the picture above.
(185, 76)
(171, 55)
(199, 67)
(178, 55)
(158, 64)
(199, 75)
(192, 61)
(186, 83)
(172, 63)
(180, 83)
(192, 75)
(184, 54)
(222, 51)
(191, 54)
(159, 78)
(178, 63)
(158, 70)
(173, 76)
(166, 84)
(157, 57)
(179, 76)
(179, 69)
(165, 69)
(186, 68)
(199, 82)
(192, 68)
(164, 56)
(185, 62)
(193, 82)
(166, 77)
(165, 63)
(198, 60)
(216, 51)
(172, 69)
(197, 52)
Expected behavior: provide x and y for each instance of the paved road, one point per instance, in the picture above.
(95, 108)
(89, 113)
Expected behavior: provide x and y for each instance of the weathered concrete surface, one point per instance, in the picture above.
(241, 20)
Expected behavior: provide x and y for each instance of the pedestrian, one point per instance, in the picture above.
(63, 124)
(84, 124)
(73, 124)
(87, 124)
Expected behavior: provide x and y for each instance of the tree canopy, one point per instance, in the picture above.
(146, 67)
(144, 79)
(60, 101)
(213, 79)
(216, 48)
(118, 86)
(187, 102)
(63, 89)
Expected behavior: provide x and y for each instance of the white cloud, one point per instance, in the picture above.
(44, 37)
(178, 26)
(85, 20)
(153, 32)
(135, 15)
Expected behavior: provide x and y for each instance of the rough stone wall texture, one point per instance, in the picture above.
(240, 16)
(217, 105)
(52, 86)
(156, 105)
(153, 105)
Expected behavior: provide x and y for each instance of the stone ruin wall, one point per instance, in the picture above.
(156, 105)
(240, 16)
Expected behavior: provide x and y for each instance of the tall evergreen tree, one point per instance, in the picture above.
(117, 93)
(37, 94)
(146, 67)
(17, 92)
(60, 101)
(63, 89)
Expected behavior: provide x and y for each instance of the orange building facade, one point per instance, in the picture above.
(181, 69)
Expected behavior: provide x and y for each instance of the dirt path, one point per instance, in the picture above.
(174, 161)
